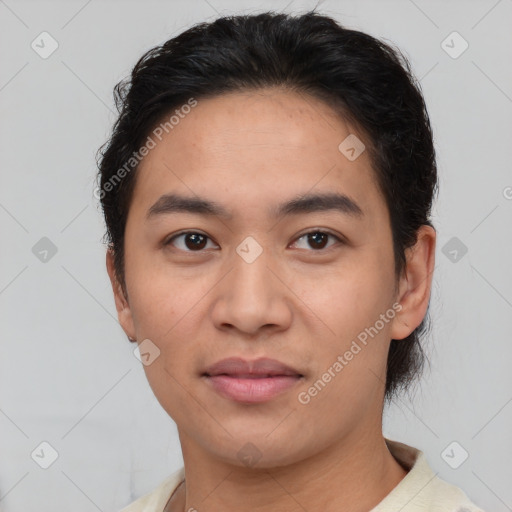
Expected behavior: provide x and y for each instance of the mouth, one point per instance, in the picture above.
(251, 381)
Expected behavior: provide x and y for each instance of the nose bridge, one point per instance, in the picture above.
(251, 279)
(251, 296)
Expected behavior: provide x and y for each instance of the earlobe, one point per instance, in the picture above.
(415, 284)
(124, 313)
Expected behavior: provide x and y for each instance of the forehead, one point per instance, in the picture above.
(251, 149)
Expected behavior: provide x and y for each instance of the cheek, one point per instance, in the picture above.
(355, 345)
(346, 300)
(159, 294)
(171, 312)
(347, 304)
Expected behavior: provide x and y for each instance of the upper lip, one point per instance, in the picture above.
(236, 366)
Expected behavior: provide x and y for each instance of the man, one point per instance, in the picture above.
(267, 192)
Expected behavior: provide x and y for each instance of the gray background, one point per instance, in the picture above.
(68, 375)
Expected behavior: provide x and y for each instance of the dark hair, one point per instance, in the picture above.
(368, 82)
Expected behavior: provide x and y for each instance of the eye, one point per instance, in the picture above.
(191, 241)
(317, 239)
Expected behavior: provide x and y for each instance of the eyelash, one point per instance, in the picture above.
(313, 231)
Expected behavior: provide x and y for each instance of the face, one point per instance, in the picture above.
(266, 274)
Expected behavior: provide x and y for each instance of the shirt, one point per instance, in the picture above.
(421, 490)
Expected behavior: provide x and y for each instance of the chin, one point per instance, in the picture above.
(259, 450)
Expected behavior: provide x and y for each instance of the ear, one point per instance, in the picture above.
(124, 313)
(415, 284)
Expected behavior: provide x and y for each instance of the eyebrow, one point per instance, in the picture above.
(308, 203)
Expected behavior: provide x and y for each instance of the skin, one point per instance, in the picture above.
(296, 303)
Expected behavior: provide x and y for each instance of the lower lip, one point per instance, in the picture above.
(252, 390)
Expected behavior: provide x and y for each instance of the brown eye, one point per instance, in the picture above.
(190, 241)
(317, 240)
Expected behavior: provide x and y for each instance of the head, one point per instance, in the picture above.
(314, 141)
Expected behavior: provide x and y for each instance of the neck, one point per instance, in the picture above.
(354, 476)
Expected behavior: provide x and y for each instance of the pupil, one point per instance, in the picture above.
(197, 243)
(315, 239)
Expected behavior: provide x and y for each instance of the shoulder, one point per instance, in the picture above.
(443, 496)
(421, 489)
(155, 500)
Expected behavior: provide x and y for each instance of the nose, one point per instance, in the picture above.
(252, 297)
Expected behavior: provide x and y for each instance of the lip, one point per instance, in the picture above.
(251, 381)
(238, 367)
